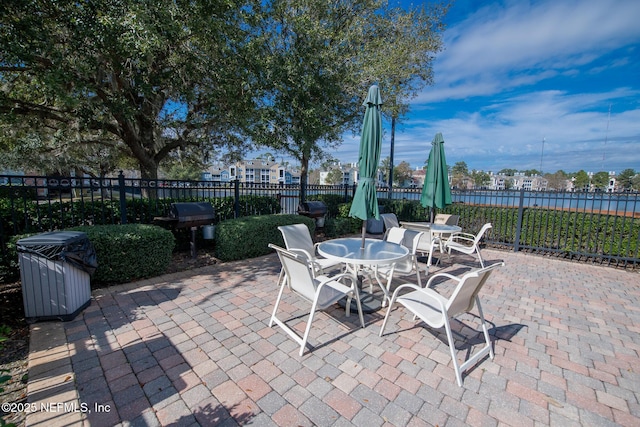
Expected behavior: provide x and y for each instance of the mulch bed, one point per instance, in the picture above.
(14, 355)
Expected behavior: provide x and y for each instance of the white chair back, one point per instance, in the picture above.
(390, 220)
(297, 236)
(446, 219)
(483, 230)
(299, 272)
(409, 239)
(464, 296)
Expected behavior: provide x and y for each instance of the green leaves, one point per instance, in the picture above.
(82, 74)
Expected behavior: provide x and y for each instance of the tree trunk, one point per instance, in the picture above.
(393, 137)
(304, 168)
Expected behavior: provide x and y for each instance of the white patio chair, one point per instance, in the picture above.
(320, 291)
(445, 219)
(298, 239)
(428, 242)
(437, 311)
(409, 239)
(467, 243)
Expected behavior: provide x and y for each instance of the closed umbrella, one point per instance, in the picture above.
(435, 191)
(365, 200)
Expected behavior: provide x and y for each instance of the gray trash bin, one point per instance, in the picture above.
(376, 226)
(55, 270)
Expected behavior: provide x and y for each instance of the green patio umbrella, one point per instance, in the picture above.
(435, 191)
(365, 200)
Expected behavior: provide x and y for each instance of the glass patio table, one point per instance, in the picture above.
(375, 252)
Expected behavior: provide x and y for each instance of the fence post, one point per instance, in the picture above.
(123, 198)
(516, 243)
(346, 195)
(236, 198)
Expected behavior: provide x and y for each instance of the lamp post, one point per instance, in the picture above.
(541, 155)
(393, 135)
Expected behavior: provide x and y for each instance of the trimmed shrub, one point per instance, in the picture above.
(129, 252)
(336, 227)
(249, 237)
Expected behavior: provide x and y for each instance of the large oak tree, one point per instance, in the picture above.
(132, 78)
(321, 58)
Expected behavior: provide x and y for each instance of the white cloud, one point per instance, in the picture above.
(518, 43)
(509, 133)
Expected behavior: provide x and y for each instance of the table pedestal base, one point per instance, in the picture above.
(368, 302)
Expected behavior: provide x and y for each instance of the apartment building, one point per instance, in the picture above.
(253, 171)
(349, 174)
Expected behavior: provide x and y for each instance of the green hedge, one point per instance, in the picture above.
(249, 237)
(124, 253)
(129, 252)
(569, 233)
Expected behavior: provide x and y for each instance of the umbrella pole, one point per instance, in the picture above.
(364, 230)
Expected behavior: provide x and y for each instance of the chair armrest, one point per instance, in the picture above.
(456, 237)
(465, 235)
(425, 291)
(323, 280)
(403, 286)
(447, 275)
(309, 256)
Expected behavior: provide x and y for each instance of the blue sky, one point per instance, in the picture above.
(516, 72)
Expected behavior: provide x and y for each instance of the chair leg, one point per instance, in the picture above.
(485, 331)
(452, 350)
(282, 276)
(385, 292)
(275, 307)
(357, 298)
(479, 257)
(417, 267)
(308, 328)
(386, 317)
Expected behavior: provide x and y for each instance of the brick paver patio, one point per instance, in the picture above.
(194, 348)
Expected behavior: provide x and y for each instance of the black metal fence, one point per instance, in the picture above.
(603, 227)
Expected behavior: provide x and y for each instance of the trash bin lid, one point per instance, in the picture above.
(71, 246)
(53, 238)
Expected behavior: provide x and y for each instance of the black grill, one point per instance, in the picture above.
(316, 210)
(312, 209)
(188, 215)
(193, 214)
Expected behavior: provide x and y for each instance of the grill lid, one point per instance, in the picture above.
(192, 214)
(313, 209)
